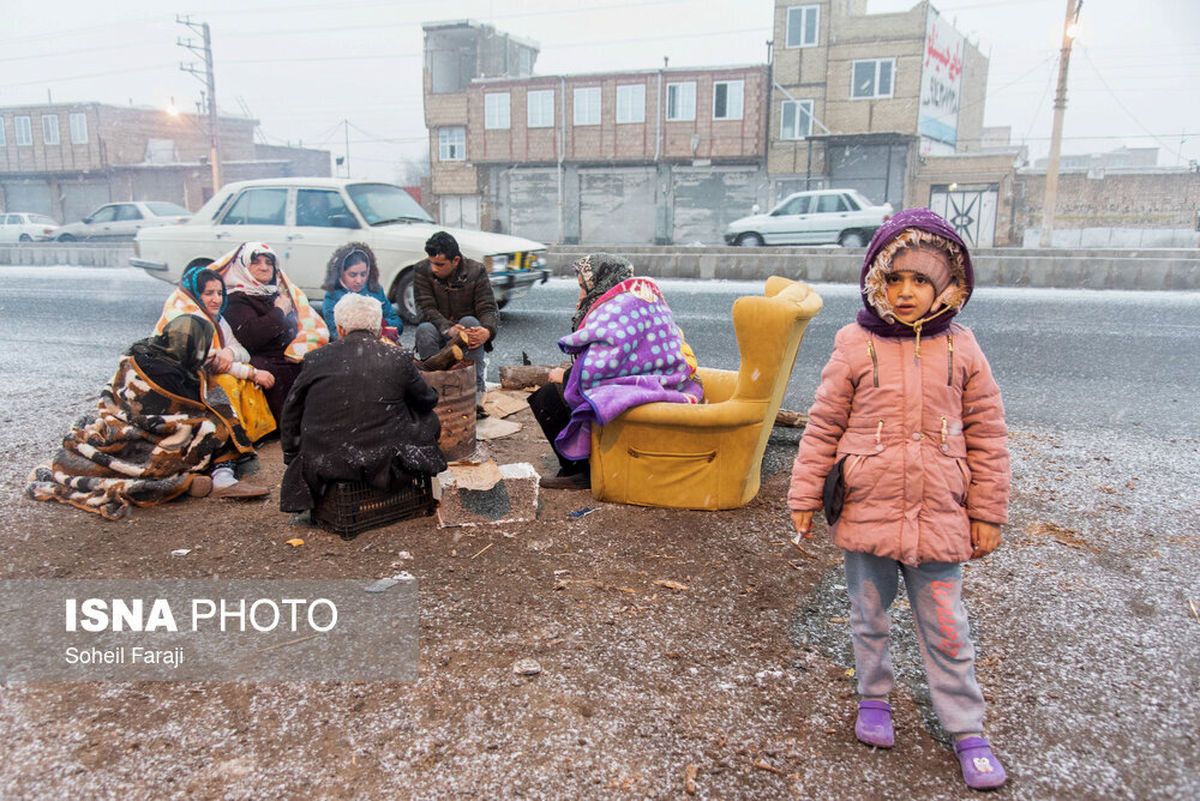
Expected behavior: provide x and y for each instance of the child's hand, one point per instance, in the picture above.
(802, 521)
(985, 537)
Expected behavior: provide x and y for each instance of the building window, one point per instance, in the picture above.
(631, 103)
(795, 119)
(873, 77)
(79, 129)
(540, 108)
(3, 141)
(524, 62)
(24, 129)
(452, 144)
(495, 110)
(50, 129)
(681, 101)
(587, 106)
(727, 100)
(802, 25)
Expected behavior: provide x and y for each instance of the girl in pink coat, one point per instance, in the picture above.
(909, 416)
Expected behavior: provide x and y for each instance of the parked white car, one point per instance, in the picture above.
(841, 216)
(306, 219)
(123, 220)
(25, 227)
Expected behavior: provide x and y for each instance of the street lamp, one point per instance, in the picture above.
(1070, 29)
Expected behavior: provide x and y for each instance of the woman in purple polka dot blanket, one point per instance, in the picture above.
(627, 351)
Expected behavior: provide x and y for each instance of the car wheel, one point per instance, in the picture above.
(851, 239)
(24, 238)
(749, 241)
(66, 238)
(404, 298)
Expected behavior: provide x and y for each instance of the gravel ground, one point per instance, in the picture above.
(1088, 649)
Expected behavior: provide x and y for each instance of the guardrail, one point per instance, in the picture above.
(1148, 269)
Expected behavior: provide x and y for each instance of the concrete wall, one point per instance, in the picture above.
(1078, 269)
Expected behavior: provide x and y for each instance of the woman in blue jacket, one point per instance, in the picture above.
(353, 269)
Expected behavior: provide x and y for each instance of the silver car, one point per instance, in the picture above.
(123, 220)
(827, 216)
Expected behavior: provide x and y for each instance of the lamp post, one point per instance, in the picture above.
(1060, 106)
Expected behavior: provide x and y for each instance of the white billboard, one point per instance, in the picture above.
(941, 80)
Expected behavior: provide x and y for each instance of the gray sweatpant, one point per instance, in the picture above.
(943, 634)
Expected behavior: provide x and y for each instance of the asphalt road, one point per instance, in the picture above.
(1065, 359)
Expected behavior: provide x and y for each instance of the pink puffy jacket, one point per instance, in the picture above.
(925, 440)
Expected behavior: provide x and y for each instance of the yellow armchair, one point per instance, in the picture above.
(709, 455)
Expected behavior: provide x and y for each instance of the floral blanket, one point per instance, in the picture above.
(143, 447)
(628, 351)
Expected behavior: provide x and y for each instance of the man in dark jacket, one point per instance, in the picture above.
(359, 411)
(454, 295)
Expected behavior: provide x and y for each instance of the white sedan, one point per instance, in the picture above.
(826, 216)
(24, 227)
(123, 220)
(306, 219)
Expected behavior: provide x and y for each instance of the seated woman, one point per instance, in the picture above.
(202, 292)
(270, 316)
(627, 350)
(353, 269)
(155, 436)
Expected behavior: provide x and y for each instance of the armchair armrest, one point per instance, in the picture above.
(734, 413)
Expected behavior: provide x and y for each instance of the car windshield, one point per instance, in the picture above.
(862, 200)
(381, 204)
(162, 209)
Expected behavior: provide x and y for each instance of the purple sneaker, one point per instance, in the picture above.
(874, 724)
(980, 768)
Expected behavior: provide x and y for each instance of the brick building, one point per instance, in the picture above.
(637, 157)
(66, 159)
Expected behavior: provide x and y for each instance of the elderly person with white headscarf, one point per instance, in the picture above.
(359, 411)
(270, 316)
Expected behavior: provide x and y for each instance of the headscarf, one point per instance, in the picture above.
(337, 266)
(598, 273)
(238, 277)
(914, 228)
(193, 283)
(173, 359)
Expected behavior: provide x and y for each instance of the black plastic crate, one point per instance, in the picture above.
(349, 508)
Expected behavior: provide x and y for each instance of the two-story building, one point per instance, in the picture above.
(636, 157)
(65, 159)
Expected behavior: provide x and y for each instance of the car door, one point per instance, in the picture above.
(128, 220)
(10, 227)
(321, 222)
(257, 214)
(100, 225)
(831, 216)
(786, 225)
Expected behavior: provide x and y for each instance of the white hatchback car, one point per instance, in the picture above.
(24, 227)
(306, 219)
(826, 216)
(123, 220)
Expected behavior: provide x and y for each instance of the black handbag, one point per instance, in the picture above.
(834, 494)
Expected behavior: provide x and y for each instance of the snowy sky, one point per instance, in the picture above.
(303, 67)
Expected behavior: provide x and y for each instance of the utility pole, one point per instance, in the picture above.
(346, 124)
(1060, 107)
(210, 82)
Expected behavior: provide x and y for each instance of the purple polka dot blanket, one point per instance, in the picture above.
(628, 351)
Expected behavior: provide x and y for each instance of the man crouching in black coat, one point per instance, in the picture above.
(359, 411)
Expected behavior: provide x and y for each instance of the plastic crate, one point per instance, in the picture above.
(349, 508)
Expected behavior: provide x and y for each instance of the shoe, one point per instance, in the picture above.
(444, 359)
(302, 519)
(200, 486)
(239, 489)
(980, 768)
(571, 481)
(874, 724)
